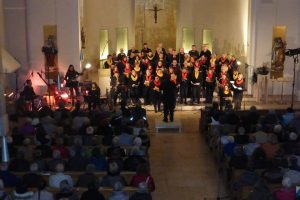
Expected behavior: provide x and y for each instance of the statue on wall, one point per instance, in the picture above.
(50, 51)
(278, 54)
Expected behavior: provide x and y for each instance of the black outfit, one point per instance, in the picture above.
(32, 179)
(117, 88)
(156, 95)
(184, 84)
(196, 86)
(135, 51)
(94, 98)
(92, 195)
(85, 179)
(207, 55)
(71, 81)
(147, 89)
(133, 87)
(194, 53)
(145, 51)
(28, 93)
(180, 59)
(238, 88)
(210, 82)
(224, 99)
(169, 98)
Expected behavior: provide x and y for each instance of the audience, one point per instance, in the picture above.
(3, 195)
(65, 191)
(21, 192)
(118, 193)
(59, 176)
(84, 180)
(32, 178)
(113, 176)
(42, 193)
(92, 193)
(8, 178)
(143, 175)
(142, 193)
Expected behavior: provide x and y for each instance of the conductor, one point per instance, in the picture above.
(168, 88)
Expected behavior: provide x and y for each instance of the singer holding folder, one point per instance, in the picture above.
(238, 89)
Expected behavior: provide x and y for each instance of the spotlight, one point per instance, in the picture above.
(238, 62)
(87, 65)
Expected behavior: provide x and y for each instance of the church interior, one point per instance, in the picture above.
(149, 99)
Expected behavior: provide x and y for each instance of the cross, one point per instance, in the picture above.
(155, 9)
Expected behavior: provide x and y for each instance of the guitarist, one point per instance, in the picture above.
(71, 80)
(28, 93)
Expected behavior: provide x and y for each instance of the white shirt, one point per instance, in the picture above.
(44, 195)
(55, 179)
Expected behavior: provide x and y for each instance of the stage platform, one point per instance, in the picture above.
(159, 125)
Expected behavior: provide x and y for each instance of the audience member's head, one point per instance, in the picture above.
(241, 130)
(277, 129)
(143, 168)
(116, 141)
(90, 168)
(293, 136)
(142, 187)
(287, 182)
(137, 141)
(34, 168)
(113, 168)
(56, 154)
(59, 168)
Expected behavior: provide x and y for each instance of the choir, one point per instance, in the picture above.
(196, 75)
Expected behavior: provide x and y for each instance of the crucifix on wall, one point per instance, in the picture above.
(155, 6)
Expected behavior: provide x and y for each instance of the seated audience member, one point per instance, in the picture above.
(115, 151)
(3, 195)
(292, 146)
(59, 145)
(259, 158)
(32, 178)
(65, 191)
(56, 160)
(260, 136)
(113, 176)
(288, 116)
(125, 138)
(92, 193)
(293, 175)
(251, 119)
(270, 120)
(239, 160)
(251, 146)
(142, 193)
(77, 111)
(88, 177)
(118, 193)
(9, 179)
(228, 145)
(295, 122)
(19, 164)
(293, 163)
(286, 192)
(42, 193)
(79, 121)
(76, 161)
(55, 179)
(27, 129)
(137, 149)
(26, 149)
(21, 192)
(271, 148)
(143, 175)
(98, 160)
(241, 138)
(278, 131)
(37, 158)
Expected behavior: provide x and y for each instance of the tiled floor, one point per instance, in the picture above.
(181, 163)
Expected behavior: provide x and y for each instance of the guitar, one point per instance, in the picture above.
(72, 82)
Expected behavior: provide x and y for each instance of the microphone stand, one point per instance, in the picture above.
(295, 57)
